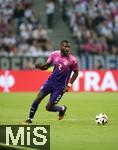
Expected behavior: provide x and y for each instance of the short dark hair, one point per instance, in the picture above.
(64, 41)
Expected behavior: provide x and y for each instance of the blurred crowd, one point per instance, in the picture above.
(94, 25)
(21, 30)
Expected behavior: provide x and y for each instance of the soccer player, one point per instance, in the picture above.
(58, 82)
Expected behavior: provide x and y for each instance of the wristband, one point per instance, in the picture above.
(69, 85)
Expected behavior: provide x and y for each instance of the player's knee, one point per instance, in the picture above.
(38, 99)
(47, 108)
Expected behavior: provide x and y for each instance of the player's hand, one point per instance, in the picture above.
(30, 66)
(37, 66)
(66, 89)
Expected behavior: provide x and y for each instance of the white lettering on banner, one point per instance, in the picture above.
(88, 80)
(111, 62)
(91, 81)
(6, 81)
(108, 82)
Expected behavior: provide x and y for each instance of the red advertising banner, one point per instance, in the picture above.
(31, 81)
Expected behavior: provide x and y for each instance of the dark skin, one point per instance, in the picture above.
(65, 51)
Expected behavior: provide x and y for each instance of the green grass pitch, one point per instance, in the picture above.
(78, 130)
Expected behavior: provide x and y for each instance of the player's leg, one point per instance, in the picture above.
(35, 105)
(54, 99)
(44, 91)
(52, 107)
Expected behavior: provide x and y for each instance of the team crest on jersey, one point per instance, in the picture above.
(56, 59)
(65, 63)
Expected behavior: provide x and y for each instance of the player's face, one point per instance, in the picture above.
(65, 49)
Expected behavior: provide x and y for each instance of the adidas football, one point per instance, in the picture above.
(101, 119)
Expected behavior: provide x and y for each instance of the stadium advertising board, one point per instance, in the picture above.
(31, 81)
(87, 61)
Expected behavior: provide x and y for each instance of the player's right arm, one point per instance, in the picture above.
(47, 64)
(43, 66)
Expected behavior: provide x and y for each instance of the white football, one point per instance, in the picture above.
(101, 119)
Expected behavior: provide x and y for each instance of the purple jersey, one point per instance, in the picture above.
(63, 66)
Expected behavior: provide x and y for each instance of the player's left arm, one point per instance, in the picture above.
(75, 70)
(73, 78)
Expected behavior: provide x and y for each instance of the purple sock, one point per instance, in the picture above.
(56, 108)
(33, 109)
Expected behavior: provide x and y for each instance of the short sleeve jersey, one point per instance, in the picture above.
(63, 66)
